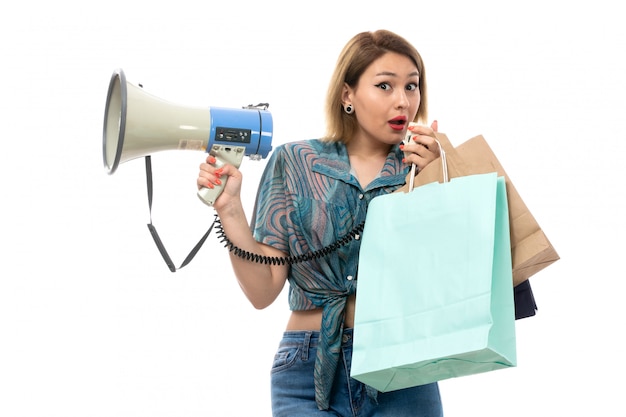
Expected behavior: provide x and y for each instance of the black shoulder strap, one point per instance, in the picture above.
(155, 235)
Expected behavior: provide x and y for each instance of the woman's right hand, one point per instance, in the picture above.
(210, 176)
(261, 283)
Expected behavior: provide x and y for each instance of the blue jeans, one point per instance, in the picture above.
(293, 391)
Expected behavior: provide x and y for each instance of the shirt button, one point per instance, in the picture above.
(361, 196)
(357, 237)
(349, 277)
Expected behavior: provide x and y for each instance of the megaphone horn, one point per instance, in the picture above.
(138, 124)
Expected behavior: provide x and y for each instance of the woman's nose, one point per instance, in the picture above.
(402, 101)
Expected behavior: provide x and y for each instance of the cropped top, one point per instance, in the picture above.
(308, 199)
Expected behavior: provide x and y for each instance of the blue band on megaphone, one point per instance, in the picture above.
(248, 127)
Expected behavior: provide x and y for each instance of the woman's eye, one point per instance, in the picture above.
(383, 86)
(411, 87)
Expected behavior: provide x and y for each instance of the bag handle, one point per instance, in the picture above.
(444, 167)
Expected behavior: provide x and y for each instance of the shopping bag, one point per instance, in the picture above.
(435, 294)
(531, 250)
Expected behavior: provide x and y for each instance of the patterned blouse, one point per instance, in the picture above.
(308, 199)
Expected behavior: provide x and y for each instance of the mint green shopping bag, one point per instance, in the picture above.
(435, 293)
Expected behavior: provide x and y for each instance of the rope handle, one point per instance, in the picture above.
(444, 168)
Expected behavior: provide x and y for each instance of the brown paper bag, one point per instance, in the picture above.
(531, 251)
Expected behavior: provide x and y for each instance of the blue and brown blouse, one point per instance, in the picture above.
(308, 198)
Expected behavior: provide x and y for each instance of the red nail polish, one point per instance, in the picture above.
(402, 146)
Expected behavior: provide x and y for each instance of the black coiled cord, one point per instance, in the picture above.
(285, 260)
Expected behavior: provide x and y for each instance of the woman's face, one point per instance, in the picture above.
(385, 99)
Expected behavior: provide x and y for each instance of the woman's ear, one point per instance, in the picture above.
(346, 94)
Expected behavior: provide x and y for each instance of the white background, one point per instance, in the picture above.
(92, 322)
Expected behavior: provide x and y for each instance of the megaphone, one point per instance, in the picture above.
(138, 124)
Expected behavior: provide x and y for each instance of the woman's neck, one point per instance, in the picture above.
(367, 159)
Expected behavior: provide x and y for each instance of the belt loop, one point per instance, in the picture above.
(306, 346)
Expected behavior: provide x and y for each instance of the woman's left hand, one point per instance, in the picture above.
(423, 148)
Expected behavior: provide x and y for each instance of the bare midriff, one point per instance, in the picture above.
(312, 319)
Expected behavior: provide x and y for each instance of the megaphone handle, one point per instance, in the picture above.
(223, 155)
(209, 195)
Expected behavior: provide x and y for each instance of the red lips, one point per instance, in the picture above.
(398, 123)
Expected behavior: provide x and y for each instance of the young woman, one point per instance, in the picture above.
(313, 194)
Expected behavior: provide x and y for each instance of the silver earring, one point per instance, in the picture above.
(348, 109)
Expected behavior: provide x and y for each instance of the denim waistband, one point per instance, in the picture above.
(310, 338)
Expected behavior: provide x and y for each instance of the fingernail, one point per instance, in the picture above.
(210, 185)
(218, 182)
(219, 171)
(404, 160)
(212, 160)
(402, 146)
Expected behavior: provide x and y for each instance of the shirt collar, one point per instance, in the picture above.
(333, 161)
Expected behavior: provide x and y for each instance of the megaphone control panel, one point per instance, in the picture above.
(233, 135)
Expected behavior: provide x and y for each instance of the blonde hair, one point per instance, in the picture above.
(356, 56)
